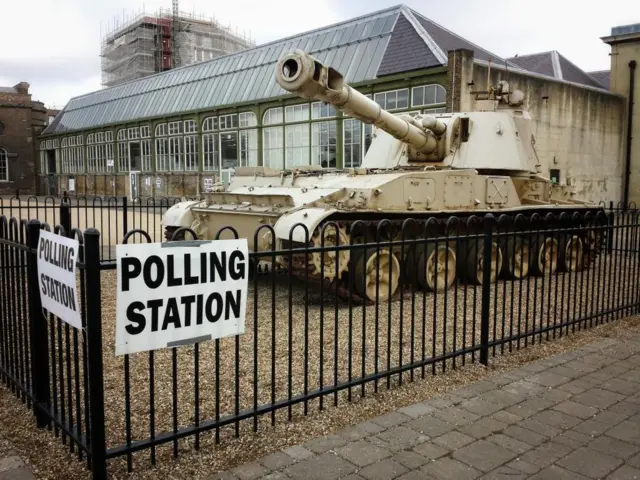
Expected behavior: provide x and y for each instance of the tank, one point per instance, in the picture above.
(417, 167)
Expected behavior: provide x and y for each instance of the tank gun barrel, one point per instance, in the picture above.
(300, 73)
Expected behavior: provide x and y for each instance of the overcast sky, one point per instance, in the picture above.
(55, 44)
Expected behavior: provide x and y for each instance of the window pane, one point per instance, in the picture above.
(297, 145)
(352, 143)
(272, 147)
(418, 96)
(296, 113)
(210, 148)
(191, 153)
(430, 95)
(249, 148)
(323, 144)
(391, 100)
(176, 153)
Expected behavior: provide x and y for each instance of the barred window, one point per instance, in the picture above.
(4, 165)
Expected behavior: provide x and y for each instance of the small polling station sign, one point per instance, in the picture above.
(179, 293)
(57, 276)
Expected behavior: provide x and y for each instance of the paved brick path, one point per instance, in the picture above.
(12, 466)
(574, 416)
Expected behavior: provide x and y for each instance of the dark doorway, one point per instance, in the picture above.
(51, 173)
(134, 155)
(51, 161)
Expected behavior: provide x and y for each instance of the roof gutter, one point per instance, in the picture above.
(627, 168)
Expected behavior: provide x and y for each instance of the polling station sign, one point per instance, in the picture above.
(57, 276)
(178, 293)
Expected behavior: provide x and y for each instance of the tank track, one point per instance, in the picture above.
(572, 240)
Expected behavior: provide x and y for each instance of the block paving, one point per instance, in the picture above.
(572, 416)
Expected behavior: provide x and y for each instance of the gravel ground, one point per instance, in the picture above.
(393, 334)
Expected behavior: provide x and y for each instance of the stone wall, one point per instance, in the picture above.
(148, 185)
(578, 130)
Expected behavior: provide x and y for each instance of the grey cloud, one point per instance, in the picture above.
(50, 70)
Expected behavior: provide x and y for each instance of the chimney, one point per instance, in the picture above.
(22, 88)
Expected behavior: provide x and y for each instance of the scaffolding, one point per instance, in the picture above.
(146, 44)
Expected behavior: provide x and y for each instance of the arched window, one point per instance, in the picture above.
(4, 165)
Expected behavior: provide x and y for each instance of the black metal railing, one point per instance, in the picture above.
(345, 311)
(112, 216)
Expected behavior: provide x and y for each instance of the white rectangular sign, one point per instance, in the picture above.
(178, 293)
(57, 277)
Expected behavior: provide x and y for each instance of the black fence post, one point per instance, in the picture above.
(65, 216)
(94, 347)
(38, 332)
(125, 216)
(610, 229)
(486, 289)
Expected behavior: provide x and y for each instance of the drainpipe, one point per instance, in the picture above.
(632, 69)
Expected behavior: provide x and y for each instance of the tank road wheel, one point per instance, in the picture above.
(328, 257)
(382, 266)
(436, 268)
(592, 242)
(544, 255)
(517, 258)
(570, 253)
(475, 262)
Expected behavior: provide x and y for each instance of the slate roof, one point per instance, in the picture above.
(365, 48)
(8, 90)
(554, 64)
(602, 77)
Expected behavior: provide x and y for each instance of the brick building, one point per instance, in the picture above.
(22, 120)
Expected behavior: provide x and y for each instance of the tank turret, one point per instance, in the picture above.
(498, 137)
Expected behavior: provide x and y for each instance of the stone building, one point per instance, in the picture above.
(624, 79)
(175, 132)
(22, 120)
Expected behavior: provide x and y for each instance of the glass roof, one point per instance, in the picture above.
(355, 48)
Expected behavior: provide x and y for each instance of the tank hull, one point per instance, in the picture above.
(304, 221)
